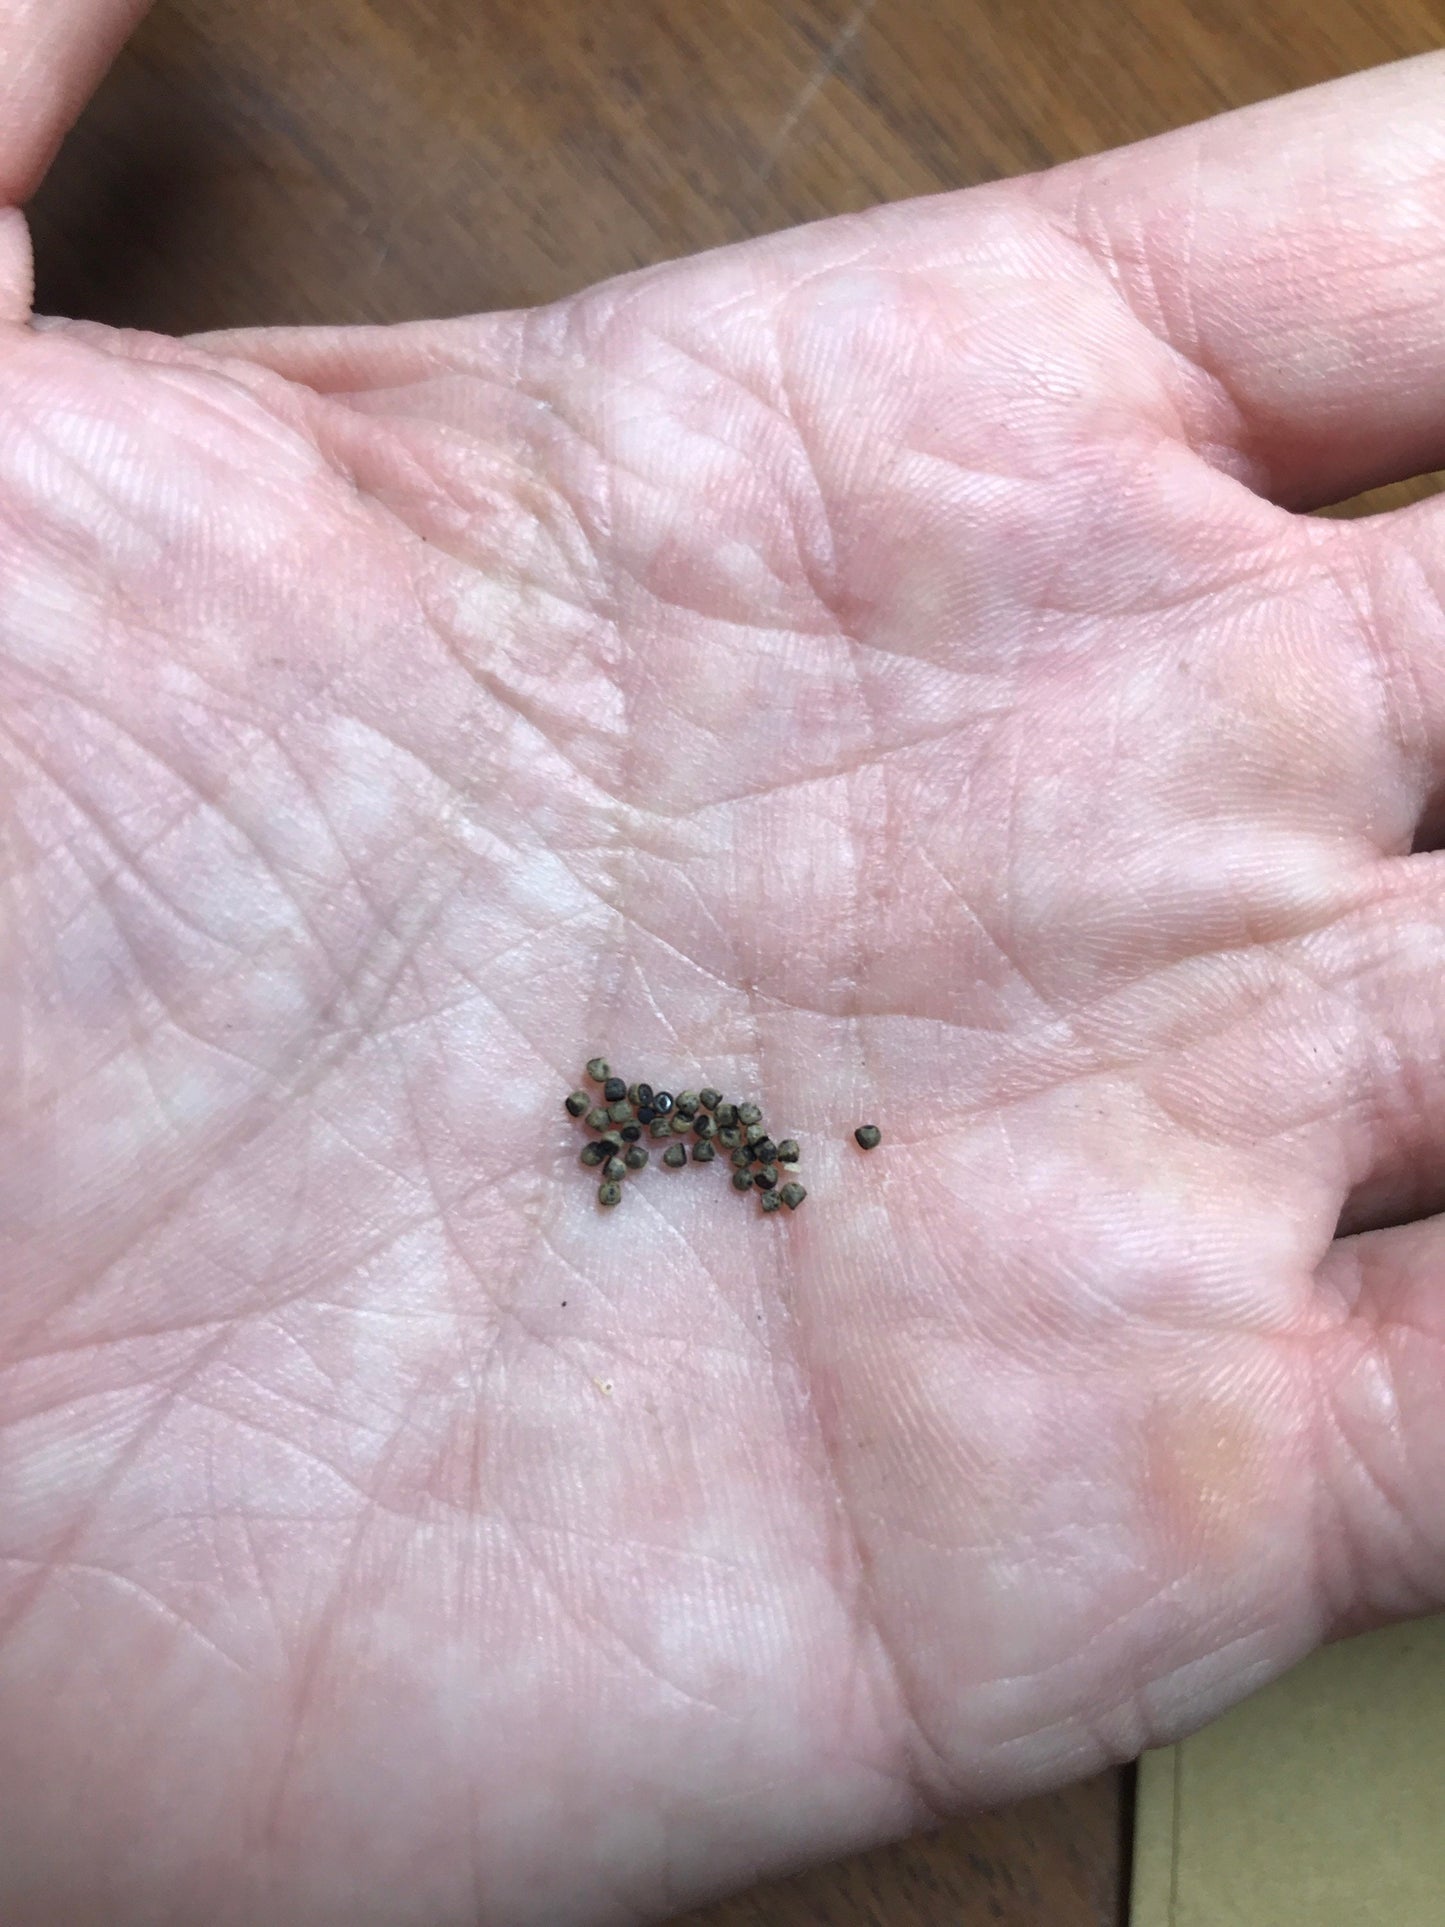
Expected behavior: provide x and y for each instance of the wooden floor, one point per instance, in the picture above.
(374, 160)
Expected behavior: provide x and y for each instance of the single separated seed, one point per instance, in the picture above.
(609, 1146)
(709, 1099)
(630, 1133)
(725, 1113)
(598, 1119)
(685, 1103)
(578, 1104)
(755, 1133)
(788, 1152)
(597, 1070)
(674, 1157)
(614, 1170)
(703, 1126)
(792, 1195)
(644, 1094)
(765, 1177)
(742, 1180)
(741, 1159)
(704, 1152)
(635, 1157)
(765, 1151)
(613, 1089)
(662, 1102)
(592, 1154)
(749, 1114)
(609, 1193)
(730, 1136)
(869, 1136)
(620, 1112)
(660, 1127)
(645, 1114)
(770, 1200)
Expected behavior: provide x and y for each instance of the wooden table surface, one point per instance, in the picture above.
(375, 160)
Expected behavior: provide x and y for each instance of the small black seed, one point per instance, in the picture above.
(597, 1070)
(662, 1102)
(578, 1104)
(704, 1126)
(645, 1114)
(630, 1133)
(765, 1177)
(685, 1103)
(868, 1135)
(755, 1133)
(614, 1090)
(792, 1195)
(704, 1153)
(730, 1135)
(749, 1114)
(598, 1120)
(592, 1154)
(674, 1157)
(725, 1113)
(644, 1094)
(620, 1112)
(741, 1160)
(709, 1099)
(770, 1201)
(765, 1151)
(660, 1127)
(609, 1193)
(614, 1169)
(742, 1181)
(636, 1157)
(788, 1152)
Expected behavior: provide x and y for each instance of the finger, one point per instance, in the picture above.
(1293, 256)
(1381, 1450)
(52, 54)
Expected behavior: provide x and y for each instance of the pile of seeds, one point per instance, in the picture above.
(703, 1121)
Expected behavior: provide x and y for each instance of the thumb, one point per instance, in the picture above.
(52, 54)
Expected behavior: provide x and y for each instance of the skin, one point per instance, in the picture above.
(884, 670)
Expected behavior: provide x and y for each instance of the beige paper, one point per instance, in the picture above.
(1318, 1803)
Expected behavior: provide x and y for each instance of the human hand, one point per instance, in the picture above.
(871, 669)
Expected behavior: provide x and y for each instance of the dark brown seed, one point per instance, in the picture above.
(704, 1126)
(660, 1127)
(766, 1152)
(592, 1154)
(662, 1102)
(755, 1133)
(725, 1113)
(597, 1070)
(598, 1120)
(680, 1125)
(770, 1200)
(635, 1157)
(614, 1090)
(614, 1170)
(704, 1153)
(630, 1133)
(685, 1103)
(674, 1157)
(765, 1177)
(788, 1152)
(578, 1103)
(749, 1114)
(741, 1160)
(792, 1195)
(644, 1094)
(620, 1112)
(709, 1099)
(645, 1114)
(609, 1193)
(868, 1135)
(730, 1135)
(742, 1181)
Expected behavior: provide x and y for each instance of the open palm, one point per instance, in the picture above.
(871, 670)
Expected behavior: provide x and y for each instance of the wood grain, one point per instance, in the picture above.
(375, 160)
